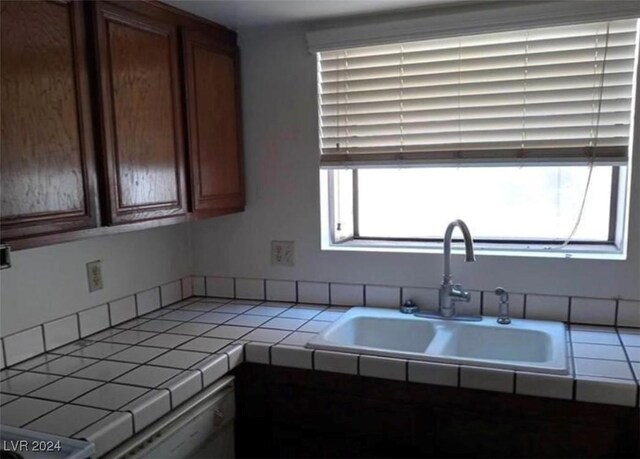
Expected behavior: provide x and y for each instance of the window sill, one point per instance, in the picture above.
(588, 252)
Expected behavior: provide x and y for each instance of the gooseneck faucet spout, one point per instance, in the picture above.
(468, 246)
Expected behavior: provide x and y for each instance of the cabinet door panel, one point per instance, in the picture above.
(142, 116)
(215, 151)
(47, 162)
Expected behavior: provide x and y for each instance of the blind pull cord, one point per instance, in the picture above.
(595, 136)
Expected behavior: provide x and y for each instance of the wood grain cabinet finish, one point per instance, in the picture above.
(47, 156)
(214, 136)
(142, 138)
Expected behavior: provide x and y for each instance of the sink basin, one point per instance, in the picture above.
(526, 345)
(392, 333)
(492, 343)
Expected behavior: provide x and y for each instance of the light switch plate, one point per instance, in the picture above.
(282, 253)
(94, 275)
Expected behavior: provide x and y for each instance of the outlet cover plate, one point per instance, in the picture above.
(282, 253)
(94, 275)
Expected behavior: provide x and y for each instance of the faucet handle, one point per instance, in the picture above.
(460, 294)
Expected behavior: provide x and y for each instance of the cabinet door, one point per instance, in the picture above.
(47, 163)
(213, 105)
(141, 115)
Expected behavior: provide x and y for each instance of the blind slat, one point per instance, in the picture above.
(484, 63)
(505, 74)
(470, 89)
(500, 111)
(584, 134)
(480, 100)
(505, 156)
(576, 145)
(492, 96)
(488, 124)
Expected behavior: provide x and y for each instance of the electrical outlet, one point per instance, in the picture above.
(282, 253)
(94, 275)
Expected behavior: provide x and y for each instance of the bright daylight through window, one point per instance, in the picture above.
(523, 134)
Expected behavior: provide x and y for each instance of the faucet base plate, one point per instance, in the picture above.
(459, 317)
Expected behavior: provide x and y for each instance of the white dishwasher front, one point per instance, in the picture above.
(203, 427)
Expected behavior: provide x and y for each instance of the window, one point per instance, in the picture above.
(522, 134)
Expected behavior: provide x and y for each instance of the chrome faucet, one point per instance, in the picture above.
(451, 293)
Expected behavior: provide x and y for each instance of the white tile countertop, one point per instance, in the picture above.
(110, 385)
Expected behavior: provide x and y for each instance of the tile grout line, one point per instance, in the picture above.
(633, 373)
(572, 357)
(4, 353)
(44, 339)
(108, 314)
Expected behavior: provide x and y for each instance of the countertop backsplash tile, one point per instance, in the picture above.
(346, 294)
(94, 320)
(313, 292)
(280, 290)
(122, 310)
(593, 311)
(547, 307)
(382, 296)
(220, 286)
(23, 345)
(250, 289)
(60, 332)
(148, 301)
(170, 293)
(628, 313)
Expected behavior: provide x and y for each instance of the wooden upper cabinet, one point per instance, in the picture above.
(47, 162)
(213, 118)
(142, 138)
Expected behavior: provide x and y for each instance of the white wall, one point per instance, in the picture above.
(49, 282)
(281, 156)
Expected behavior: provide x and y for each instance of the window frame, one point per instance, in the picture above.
(612, 248)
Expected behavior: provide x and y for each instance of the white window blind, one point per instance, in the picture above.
(557, 95)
